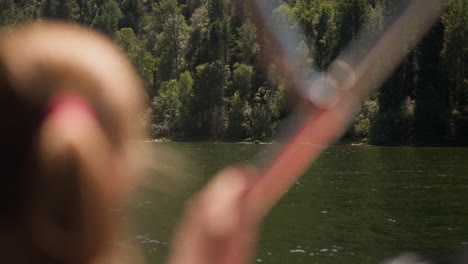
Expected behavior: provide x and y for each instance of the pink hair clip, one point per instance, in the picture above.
(56, 102)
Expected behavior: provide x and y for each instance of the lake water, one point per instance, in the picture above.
(355, 205)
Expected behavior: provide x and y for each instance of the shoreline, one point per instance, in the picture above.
(338, 143)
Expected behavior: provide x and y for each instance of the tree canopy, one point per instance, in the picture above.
(197, 60)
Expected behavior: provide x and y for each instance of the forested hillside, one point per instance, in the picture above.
(197, 59)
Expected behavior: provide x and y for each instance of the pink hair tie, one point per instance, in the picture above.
(56, 102)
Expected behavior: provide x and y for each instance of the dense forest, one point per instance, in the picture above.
(197, 59)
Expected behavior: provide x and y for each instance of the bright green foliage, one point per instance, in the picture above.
(197, 60)
(318, 20)
(171, 42)
(246, 44)
(199, 18)
(375, 21)
(170, 108)
(7, 12)
(166, 109)
(186, 98)
(12, 13)
(278, 105)
(144, 62)
(197, 47)
(170, 47)
(240, 114)
(364, 119)
(164, 10)
(237, 128)
(242, 80)
(261, 115)
(108, 17)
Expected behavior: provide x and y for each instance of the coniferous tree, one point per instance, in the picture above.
(185, 51)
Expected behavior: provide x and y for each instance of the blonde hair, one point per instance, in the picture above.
(38, 62)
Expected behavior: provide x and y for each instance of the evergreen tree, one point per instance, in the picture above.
(170, 47)
(109, 15)
(184, 51)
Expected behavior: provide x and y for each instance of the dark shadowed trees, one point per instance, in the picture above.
(197, 60)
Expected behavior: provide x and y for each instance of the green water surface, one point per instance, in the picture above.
(356, 204)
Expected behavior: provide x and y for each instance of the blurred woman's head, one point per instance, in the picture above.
(69, 101)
